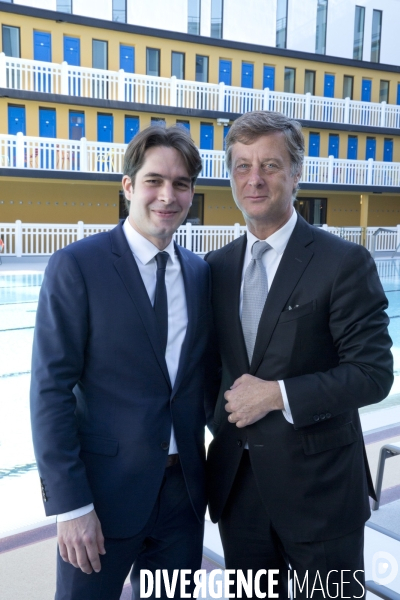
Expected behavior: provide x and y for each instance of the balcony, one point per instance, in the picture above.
(83, 156)
(84, 82)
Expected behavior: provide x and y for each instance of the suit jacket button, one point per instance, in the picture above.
(316, 417)
(328, 415)
(165, 445)
(239, 443)
(322, 417)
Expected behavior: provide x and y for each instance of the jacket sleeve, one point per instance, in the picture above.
(358, 325)
(61, 331)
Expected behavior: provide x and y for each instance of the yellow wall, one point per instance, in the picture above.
(219, 207)
(140, 42)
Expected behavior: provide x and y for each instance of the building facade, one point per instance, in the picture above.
(74, 89)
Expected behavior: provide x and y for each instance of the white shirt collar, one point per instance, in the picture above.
(278, 240)
(142, 248)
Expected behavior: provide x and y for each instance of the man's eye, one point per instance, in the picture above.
(242, 166)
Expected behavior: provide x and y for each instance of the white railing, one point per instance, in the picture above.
(85, 82)
(42, 239)
(53, 154)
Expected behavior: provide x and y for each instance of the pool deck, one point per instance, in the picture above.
(27, 538)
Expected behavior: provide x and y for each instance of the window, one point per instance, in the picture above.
(184, 124)
(320, 38)
(158, 121)
(99, 54)
(194, 16)
(153, 62)
(376, 35)
(178, 65)
(348, 82)
(196, 211)
(76, 125)
(217, 10)
(281, 23)
(289, 83)
(384, 91)
(119, 11)
(201, 68)
(309, 82)
(11, 45)
(359, 33)
(64, 6)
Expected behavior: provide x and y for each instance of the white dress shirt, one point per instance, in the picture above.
(271, 259)
(144, 253)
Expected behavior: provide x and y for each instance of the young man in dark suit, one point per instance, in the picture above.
(117, 394)
(303, 339)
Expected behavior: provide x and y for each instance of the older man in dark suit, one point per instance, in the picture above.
(117, 391)
(303, 340)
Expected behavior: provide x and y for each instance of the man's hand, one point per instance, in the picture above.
(81, 541)
(251, 398)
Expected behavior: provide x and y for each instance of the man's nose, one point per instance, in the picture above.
(256, 177)
(167, 193)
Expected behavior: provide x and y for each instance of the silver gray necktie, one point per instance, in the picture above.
(255, 291)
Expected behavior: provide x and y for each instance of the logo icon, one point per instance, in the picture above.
(384, 568)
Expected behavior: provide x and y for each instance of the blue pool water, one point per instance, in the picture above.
(18, 301)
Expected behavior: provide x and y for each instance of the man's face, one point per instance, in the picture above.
(262, 183)
(161, 197)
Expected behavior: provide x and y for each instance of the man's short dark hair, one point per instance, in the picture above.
(170, 137)
(251, 126)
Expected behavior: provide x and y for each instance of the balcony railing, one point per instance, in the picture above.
(83, 156)
(85, 82)
(42, 239)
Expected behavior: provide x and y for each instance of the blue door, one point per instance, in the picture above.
(313, 144)
(366, 90)
(333, 146)
(72, 51)
(370, 150)
(47, 122)
(42, 46)
(247, 75)
(207, 143)
(47, 128)
(105, 128)
(226, 131)
(269, 78)
(16, 120)
(352, 147)
(329, 86)
(388, 150)
(398, 93)
(225, 71)
(131, 128)
(127, 58)
(76, 125)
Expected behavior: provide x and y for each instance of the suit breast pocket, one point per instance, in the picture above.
(298, 312)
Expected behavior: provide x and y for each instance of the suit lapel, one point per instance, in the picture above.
(232, 279)
(127, 268)
(294, 260)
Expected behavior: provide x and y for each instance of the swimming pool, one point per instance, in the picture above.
(19, 294)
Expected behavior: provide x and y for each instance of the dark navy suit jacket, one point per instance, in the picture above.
(101, 399)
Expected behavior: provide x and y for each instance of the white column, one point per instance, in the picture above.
(369, 171)
(173, 91)
(266, 99)
(307, 114)
(347, 110)
(221, 96)
(3, 78)
(18, 239)
(79, 233)
(64, 78)
(383, 114)
(188, 243)
(236, 231)
(84, 155)
(19, 151)
(121, 85)
(330, 169)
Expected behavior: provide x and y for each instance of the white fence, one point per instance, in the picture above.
(41, 239)
(53, 154)
(85, 82)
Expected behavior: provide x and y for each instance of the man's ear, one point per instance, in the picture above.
(127, 187)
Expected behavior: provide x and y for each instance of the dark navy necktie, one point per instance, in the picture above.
(160, 299)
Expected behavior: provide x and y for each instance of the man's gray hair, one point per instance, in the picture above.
(251, 126)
